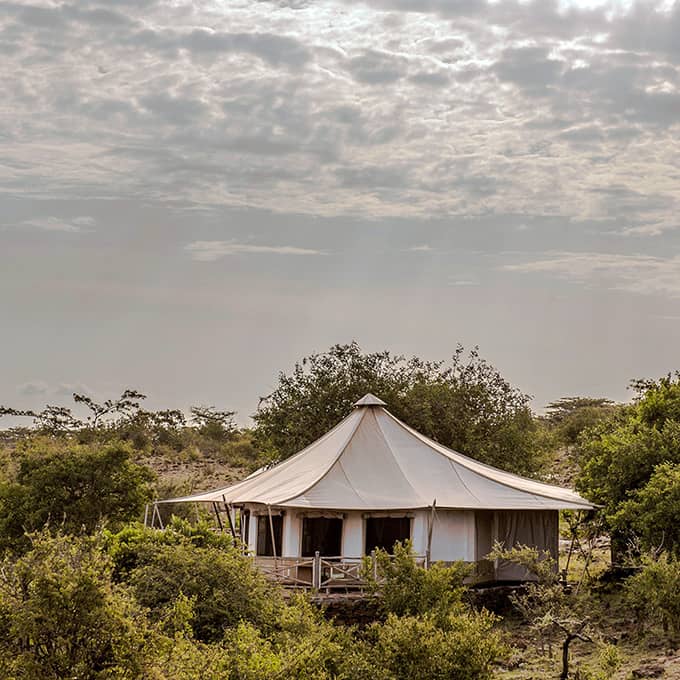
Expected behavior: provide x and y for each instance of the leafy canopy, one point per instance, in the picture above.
(464, 403)
(623, 455)
(71, 486)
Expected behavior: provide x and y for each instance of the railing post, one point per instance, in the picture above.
(375, 565)
(316, 571)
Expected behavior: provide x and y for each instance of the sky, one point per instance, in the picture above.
(194, 195)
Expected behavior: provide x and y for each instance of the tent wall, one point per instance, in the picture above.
(453, 536)
(353, 535)
(535, 528)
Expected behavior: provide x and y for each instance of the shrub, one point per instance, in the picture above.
(61, 616)
(413, 647)
(407, 589)
(226, 586)
(654, 593)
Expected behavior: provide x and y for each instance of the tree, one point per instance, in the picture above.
(405, 588)
(572, 415)
(125, 406)
(619, 456)
(544, 603)
(212, 422)
(73, 487)
(464, 403)
(652, 513)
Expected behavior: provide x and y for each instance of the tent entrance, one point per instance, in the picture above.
(264, 535)
(322, 534)
(384, 532)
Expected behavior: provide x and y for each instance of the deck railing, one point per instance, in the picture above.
(323, 573)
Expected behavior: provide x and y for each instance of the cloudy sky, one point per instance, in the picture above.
(193, 195)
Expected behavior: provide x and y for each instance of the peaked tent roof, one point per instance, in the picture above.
(373, 461)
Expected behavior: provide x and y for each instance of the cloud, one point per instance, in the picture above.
(67, 389)
(424, 248)
(68, 225)
(33, 388)
(642, 274)
(209, 251)
(372, 109)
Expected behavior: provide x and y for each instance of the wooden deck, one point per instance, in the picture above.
(323, 574)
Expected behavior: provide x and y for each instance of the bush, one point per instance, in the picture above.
(61, 616)
(226, 586)
(72, 487)
(413, 648)
(654, 593)
(407, 589)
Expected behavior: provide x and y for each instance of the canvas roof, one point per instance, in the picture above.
(373, 461)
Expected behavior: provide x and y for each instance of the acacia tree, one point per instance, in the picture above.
(463, 403)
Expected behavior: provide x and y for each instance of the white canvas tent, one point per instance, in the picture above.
(372, 478)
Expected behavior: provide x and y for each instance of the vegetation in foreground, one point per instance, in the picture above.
(87, 592)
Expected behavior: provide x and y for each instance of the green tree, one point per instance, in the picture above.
(464, 403)
(572, 415)
(652, 513)
(71, 486)
(619, 456)
(417, 647)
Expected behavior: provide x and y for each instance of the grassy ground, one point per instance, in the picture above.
(622, 649)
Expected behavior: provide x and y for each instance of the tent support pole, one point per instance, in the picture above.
(271, 529)
(229, 518)
(156, 513)
(430, 526)
(217, 517)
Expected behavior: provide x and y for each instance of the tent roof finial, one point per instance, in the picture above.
(369, 400)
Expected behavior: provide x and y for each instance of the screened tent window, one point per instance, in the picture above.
(384, 532)
(323, 534)
(264, 535)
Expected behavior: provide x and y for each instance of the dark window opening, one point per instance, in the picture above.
(384, 532)
(264, 535)
(323, 534)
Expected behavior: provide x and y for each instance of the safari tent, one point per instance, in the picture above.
(371, 481)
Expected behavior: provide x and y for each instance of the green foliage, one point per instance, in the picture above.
(464, 403)
(619, 457)
(71, 486)
(652, 513)
(654, 593)
(135, 544)
(572, 415)
(544, 603)
(61, 617)
(407, 589)
(413, 648)
(224, 584)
